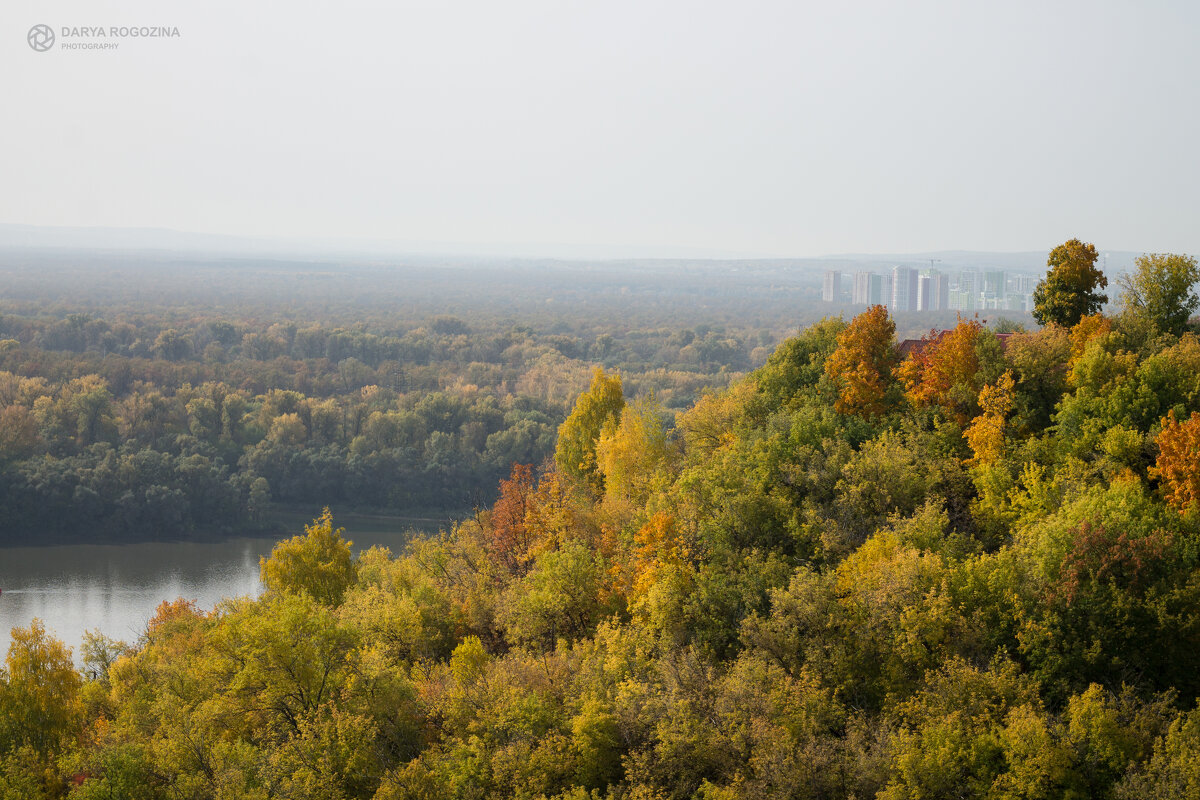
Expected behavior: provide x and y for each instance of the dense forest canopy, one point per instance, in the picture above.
(148, 397)
(155, 398)
(968, 569)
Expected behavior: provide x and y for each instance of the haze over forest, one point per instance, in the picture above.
(132, 241)
(792, 410)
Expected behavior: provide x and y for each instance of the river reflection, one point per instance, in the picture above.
(116, 588)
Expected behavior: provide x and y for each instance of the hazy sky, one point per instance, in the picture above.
(757, 128)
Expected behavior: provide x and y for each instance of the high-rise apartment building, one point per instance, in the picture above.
(968, 282)
(881, 290)
(993, 283)
(831, 289)
(904, 289)
(933, 291)
(861, 292)
(962, 301)
(940, 291)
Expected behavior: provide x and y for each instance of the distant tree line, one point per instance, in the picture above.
(133, 430)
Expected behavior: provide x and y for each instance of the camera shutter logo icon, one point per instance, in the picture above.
(41, 38)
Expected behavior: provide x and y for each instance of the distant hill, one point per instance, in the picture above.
(165, 239)
(657, 258)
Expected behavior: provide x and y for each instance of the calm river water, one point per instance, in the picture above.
(116, 588)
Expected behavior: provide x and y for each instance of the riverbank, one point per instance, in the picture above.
(281, 522)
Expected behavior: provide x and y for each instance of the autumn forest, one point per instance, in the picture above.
(720, 548)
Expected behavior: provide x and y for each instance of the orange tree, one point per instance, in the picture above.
(942, 372)
(861, 365)
(1178, 465)
(510, 541)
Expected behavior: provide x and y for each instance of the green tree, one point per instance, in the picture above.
(123, 771)
(796, 365)
(259, 500)
(1068, 292)
(1173, 772)
(172, 345)
(1160, 290)
(561, 596)
(949, 743)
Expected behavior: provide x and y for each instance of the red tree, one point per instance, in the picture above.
(510, 540)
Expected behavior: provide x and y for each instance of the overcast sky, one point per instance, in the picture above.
(752, 128)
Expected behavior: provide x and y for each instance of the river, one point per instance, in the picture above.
(115, 589)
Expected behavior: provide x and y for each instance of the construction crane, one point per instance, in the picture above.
(931, 262)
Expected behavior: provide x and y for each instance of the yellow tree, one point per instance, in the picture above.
(658, 547)
(631, 452)
(575, 453)
(1088, 328)
(710, 423)
(861, 365)
(18, 433)
(986, 432)
(555, 515)
(39, 697)
(318, 563)
(1178, 465)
